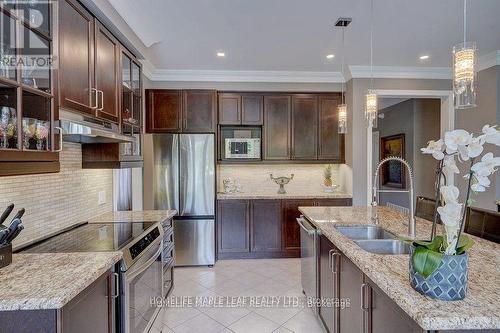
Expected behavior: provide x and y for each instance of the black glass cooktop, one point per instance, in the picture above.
(91, 237)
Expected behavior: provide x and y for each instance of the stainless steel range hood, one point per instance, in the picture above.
(81, 129)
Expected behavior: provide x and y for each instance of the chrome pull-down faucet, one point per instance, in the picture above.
(376, 191)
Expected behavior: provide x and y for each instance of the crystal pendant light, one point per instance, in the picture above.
(371, 107)
(464, 71)
(342, 108)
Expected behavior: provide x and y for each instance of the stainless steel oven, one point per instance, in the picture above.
(142, 284)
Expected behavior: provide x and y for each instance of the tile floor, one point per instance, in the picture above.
(252, 279)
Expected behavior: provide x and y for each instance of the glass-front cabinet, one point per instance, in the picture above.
(26, 87)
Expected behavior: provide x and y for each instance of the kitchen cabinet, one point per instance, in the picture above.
(163, 110)
(331, 143)
(240, 109)
(383, 315)
(176, 111)
(29, 141)
(333, 202)
(277, 124)
(291, 230)
(351, 318)
(304, 127)
(328, 285)
(233, 226)
(107, 56)
(265, 226)
(95, 302)
(76, 58)
(199, 111)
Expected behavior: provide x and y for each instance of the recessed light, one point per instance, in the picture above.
(221, 54)
(424, 57)
(330, 56)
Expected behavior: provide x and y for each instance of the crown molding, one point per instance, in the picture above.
(396, 72)
(489, 60)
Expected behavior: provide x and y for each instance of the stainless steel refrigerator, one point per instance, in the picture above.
(184, 179)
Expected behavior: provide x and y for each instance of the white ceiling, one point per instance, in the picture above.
(296, 35)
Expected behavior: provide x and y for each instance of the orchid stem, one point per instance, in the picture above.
(466, 205)
(438, 194)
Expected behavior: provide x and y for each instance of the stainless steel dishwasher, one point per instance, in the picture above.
(308, 258)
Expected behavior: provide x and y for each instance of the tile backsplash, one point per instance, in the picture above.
(308, 178)
(55, 201)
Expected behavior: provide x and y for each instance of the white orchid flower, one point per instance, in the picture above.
(450, 193)
(475, 147)
(450, 214)
(457, 140)
(450, 165)
(487, 166)
(480, 184)
(435, 148)
(491, 135)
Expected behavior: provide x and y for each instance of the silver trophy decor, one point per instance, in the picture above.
(281, 181)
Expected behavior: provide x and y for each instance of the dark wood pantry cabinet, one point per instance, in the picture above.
(277, 125)
(304, 127)
(176, 111)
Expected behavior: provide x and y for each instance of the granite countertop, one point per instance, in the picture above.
(288, 195)
(50, 280)
(479, 309)
(135, 216)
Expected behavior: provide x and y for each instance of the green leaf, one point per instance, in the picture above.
(464, 243)
(426, 261)
(434, 245)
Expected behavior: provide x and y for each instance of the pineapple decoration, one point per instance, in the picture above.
(327, 173)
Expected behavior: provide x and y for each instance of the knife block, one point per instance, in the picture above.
(5, 255)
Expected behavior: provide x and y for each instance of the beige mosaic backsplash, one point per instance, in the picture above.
(56, 201)
(308, 178)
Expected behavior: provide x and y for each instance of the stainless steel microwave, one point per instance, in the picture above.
(242, 148)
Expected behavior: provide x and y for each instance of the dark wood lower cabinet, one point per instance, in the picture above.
(262, 228)
(265, 227)
(90, 311)
(351, 280)
(328, 285)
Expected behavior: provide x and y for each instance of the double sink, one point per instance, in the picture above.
(374, 239)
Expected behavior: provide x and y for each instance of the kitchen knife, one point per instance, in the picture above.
(19, 214)
(13, 226)
(3, 235)
(6, 213)
(13, 235)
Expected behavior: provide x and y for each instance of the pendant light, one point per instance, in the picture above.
(464, 71)
(342, 108)
(371, 107)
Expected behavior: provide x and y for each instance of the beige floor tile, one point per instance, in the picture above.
(253, 323)
(175, 316)
(199, 324)
(282, 330)
(226, 316)
(278, 315)
(304, 322)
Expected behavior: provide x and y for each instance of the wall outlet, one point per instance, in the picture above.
(102, 198)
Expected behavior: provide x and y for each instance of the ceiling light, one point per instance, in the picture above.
(424, 57)
(342, 108)
(221, 54)
(371, 108)
(330, 56)
(464, 71)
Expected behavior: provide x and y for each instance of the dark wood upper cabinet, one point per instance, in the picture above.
(199, 111)
(265, 226)
(252, 109)
(331, 143)
(291, 230)
(107, 64)
(229, 109)
(304, 127)
(277, 123)
(233, 226)
(163, 110)
(76, 58)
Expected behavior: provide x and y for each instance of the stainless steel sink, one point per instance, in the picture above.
(384, 246)
(358, 232)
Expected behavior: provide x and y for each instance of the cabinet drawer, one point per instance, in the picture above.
(168, 236)
(168, 251)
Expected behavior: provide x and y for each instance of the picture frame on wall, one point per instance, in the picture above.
(392, 173)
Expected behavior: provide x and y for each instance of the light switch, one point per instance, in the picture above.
(102, 197)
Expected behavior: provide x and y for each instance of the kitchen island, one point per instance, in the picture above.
(389, 273)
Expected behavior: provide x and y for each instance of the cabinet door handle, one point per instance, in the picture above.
(96, 97)
(100, 92)
(334, 262)
(60, 139)
(363, 307)
(117, 285)
(330, 258)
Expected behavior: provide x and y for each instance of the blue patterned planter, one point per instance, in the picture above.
(447, 283)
